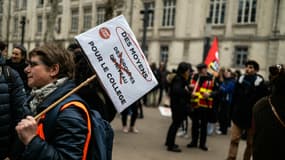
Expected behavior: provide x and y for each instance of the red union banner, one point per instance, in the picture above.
(118, 60)
(212, 59)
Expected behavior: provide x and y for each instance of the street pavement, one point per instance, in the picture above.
(148, 144)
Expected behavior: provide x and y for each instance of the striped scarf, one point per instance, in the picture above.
(40, 94)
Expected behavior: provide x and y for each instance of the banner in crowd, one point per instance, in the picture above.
(212, 59)
(118, 60)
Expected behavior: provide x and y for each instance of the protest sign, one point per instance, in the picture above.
(118, 60)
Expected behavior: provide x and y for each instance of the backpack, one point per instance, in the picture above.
(102, 135)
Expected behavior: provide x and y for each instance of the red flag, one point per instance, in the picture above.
(212, 60)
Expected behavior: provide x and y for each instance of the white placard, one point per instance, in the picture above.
(165, 111)
(118, 60)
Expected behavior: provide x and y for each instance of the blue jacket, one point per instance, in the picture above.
(227, 90)
(12, 97)
(66, 140)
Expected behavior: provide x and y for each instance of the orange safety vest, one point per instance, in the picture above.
(198, 100)
(40, 130)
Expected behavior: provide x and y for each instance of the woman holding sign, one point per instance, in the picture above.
(50, 70)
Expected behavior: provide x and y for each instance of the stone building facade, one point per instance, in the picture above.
(176, 30)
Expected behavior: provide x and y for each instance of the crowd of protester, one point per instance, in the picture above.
(226, 101)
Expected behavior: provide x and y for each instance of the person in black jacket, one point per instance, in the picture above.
(179, 101)
(92, 93)
(18, 62)
(249, 89)
(269, 119)
(12, 97)
(50, 71)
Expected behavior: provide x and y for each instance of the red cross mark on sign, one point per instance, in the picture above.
(120, 66)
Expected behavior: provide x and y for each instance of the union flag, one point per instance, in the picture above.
(212, 59)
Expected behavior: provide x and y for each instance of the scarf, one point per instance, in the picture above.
(40, 94)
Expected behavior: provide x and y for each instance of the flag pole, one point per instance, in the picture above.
(196, 85)
(87, 81)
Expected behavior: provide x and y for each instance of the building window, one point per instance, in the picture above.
(24, 4)
(168, 18)
(49, 2)
(217, 11)
(246, 11)
(58, 25)
(1, 27)
(16, 25)
(17, 5)
(118, 12)
(100, 15)
(40, 3)
(87, 19)
(59, 9)
(1, 6)
(74, 20)
(47, 20)
(241, 54)
(146, 51)
(39, 24)
(38, 44)
(150, 7)
(164, 54)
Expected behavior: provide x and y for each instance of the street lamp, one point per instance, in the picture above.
(23, 24)
(208, 29)
(145, 13)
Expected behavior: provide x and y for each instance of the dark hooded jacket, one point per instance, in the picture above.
(64, 141)
(249, 89)
(12, 97)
